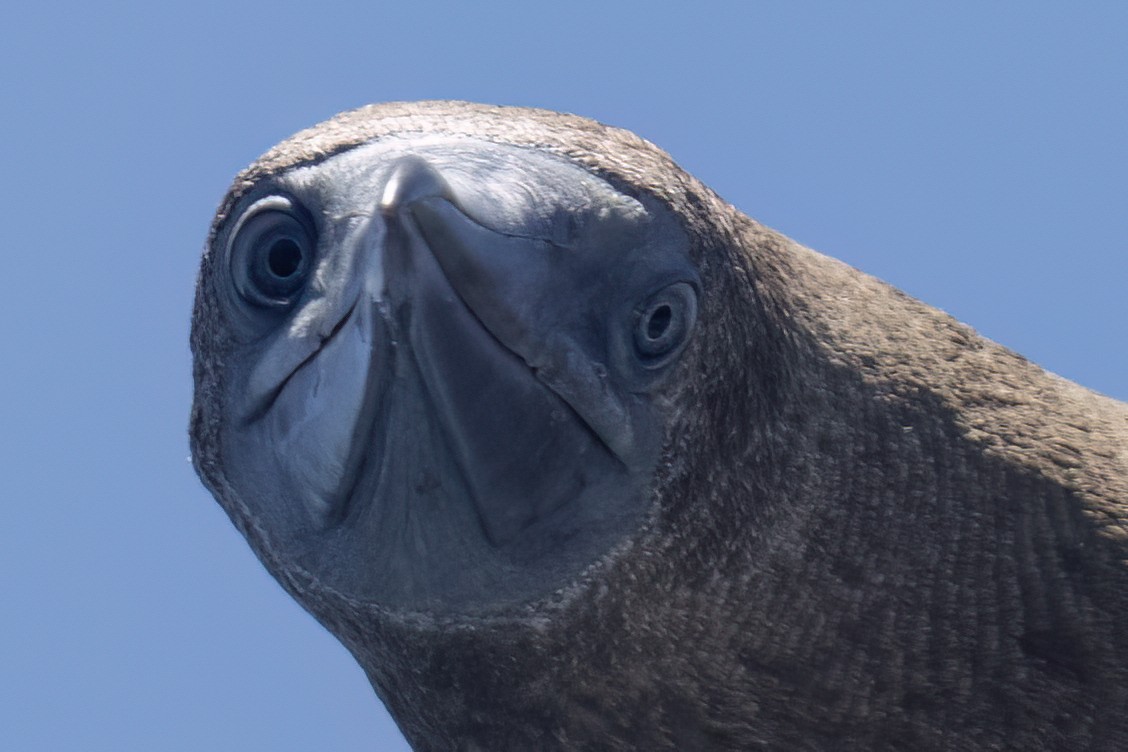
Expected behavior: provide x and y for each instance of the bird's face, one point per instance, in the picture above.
(443, 384)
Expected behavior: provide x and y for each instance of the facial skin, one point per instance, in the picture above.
(446, 367)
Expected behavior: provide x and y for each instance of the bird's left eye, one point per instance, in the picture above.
(663, 324)
(272, 253)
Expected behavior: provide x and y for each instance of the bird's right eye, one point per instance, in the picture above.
(272, 253)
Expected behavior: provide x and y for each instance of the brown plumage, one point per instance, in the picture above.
(870, 528)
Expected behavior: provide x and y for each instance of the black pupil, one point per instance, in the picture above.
(284, 258)
(659, 321)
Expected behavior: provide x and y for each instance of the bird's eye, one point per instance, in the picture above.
(272, 253)
(663, 323)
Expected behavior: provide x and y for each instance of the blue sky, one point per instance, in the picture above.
(973, 154)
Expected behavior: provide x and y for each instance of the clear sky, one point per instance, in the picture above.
(973, 154)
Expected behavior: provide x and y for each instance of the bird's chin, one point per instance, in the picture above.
(400, 470)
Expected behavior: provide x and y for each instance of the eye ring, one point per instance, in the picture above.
(272, 250)
(663, 323)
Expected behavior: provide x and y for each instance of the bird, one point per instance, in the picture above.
(572, 454)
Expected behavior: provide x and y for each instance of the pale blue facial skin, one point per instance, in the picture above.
(446, 394)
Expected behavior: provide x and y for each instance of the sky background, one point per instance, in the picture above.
(973, 154)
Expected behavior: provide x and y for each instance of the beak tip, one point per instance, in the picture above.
(412, 179)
